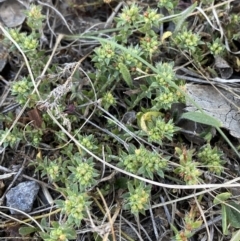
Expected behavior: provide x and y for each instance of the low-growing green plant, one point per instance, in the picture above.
(11, 139)
(29, 42)
(188, 169)
(108, 100)
(230, 212)
(144, 162)
(82, 172)
(33, 135)
(216, 48)
(126, 79)
(158, 130)
(138, 197)
(75, 206)
(150, 45)
(169, 5)
(131, 19)
(191, 222)
(58, 232)
(22, 90)
(89, 142)
(35, 17)
(212, 158)
(54, 169)
(187, 40)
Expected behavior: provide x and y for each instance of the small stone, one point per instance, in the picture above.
(22, 196)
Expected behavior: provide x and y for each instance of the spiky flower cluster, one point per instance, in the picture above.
(150, 44)
(151, 17)
(74, 206)
(187, 40)
(26, 42)
(164, 100)
(128, 58)
(89, 142)
(188, 169)
(191, 223)
(82, 172)
(165, 73)
(144, 162)
(59, 232)
(129, 15)
(138, 198)
(104, 53)
(35, 17)
(235, 18)
(11, 138)
(22, 89)
(216, 48)
(53, 170)
(108, 100)
(211, 157)
(160, 130)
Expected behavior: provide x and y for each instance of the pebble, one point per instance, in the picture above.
(22, 196)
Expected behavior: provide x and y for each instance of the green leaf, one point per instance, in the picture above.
(201, 118)
(55, 224)
(71, 233)
(233, 215)
(165, 35)
(130, 187)
(179, 21)
(131, 148)
(236, 236)
(196, 224)
(125, 74)
(222, 197)
(147, 117)
(160, 173)
(59, 203)
(44, 236)
(174, 229)
(44, 223)
(224, 220)
(27, 230)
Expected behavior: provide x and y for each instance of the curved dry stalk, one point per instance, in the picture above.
(18, 220)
